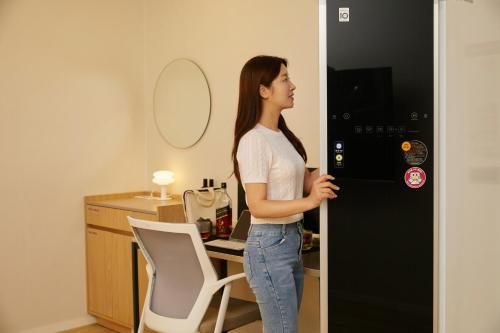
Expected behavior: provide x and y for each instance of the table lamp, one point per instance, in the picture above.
(163, 178)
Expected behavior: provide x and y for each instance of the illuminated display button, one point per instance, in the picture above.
(339, 157)
(379, 129)
(369, 129)
(358, 129)
(390, 129)
(339, 147)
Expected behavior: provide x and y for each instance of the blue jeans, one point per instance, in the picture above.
(272, 261)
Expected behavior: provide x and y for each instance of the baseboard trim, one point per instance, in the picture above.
(113, 326)
(62, 326)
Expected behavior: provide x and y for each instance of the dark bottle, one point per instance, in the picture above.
(224, 216)
(205, 182)
(210, 182)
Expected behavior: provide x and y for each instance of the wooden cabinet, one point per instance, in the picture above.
(121, 280)
(108, 248)
(99, 297)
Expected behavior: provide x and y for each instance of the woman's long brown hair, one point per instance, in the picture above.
(258, 70)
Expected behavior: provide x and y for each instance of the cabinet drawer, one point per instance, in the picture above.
(113, 218)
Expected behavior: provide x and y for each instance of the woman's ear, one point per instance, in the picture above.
(264, 92)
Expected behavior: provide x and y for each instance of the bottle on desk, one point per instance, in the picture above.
(224, 216)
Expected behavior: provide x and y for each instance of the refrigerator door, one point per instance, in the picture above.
(380, 125)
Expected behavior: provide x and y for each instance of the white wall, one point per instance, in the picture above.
(473, 167)
(72, 124)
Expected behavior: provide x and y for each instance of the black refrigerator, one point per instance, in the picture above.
(380, 144)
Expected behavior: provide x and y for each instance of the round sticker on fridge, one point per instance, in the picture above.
(417, 154)
(415, 177)
(406, 146)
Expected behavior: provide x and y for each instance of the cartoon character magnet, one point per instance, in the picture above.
(415, 177)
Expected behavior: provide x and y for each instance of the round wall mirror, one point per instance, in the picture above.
(181, 103)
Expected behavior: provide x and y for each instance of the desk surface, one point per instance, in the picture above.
(311, 261)
(142, 204)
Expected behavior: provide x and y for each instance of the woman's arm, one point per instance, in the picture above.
(260, 207)
(309, 178)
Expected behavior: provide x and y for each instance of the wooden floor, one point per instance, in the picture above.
(89, 329)
(255, 327)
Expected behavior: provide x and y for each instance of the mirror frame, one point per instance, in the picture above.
(209, 104)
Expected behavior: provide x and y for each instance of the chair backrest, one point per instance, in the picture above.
(181, 268)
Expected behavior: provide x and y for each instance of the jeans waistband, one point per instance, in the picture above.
(271, 228)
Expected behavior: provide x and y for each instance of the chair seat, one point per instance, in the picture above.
(239, 313)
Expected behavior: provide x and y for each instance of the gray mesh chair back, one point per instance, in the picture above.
(179, 272)
(178, 275)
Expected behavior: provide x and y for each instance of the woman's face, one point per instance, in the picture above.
(280, 93)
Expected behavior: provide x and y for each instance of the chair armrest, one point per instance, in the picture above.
(149, 270)
(227, 283)
(222, 282)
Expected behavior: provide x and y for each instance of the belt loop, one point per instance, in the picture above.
(283, 229)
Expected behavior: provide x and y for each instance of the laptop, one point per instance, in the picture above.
(237, 238)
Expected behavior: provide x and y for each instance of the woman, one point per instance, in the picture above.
(269, 161)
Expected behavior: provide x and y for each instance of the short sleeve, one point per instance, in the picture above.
(254, 157)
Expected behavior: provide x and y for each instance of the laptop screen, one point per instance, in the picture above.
(240, 231)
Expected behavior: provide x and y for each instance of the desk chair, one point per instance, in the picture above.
(182, 283)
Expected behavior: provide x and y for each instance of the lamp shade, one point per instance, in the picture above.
(163, 177)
